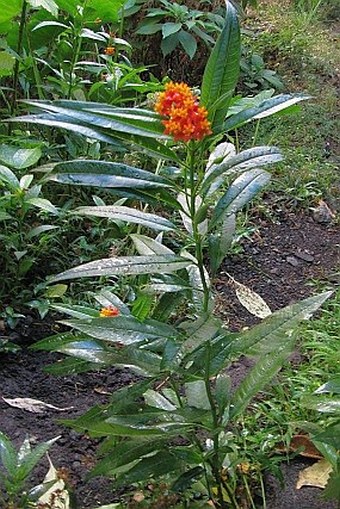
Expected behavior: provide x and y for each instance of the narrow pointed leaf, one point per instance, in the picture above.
(122, 329)
(105, 174)
(8, 455)
(266, 108)
(241, 192)
(125, 265)
(147, 246)
(246, 160)
(128, 214)
(222, 69)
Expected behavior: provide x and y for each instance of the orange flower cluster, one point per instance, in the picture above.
(110, 50)
(187, 120)
(110, 311)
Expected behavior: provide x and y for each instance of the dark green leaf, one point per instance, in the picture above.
(222, 69)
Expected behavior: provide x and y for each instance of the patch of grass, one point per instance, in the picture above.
(299, 50)
(274, 417)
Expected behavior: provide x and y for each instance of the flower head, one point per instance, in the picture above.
(187, 120)
(109, 311)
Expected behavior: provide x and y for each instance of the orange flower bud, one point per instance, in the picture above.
(109, 311)
(110, 50)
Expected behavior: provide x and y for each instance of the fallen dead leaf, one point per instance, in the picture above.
(33, 405)
(303, 444)
(252, 301)
(57, 494)
(138, 496)
(317, 475)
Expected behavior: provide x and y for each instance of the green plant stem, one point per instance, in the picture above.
(191, 202)
(17, 61)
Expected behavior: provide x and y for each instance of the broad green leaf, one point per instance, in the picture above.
(128, 214)
(122, 329)
(332, 490)
(9, 10)
(6, 63)
(196, 395)
(246, 160)
(105, 10)
(222, 391)
(3, 215)
(149, 29)
(222, 69)
(267, 108)
(105, 174)
(125, 265)
(188, 43)
(170, 28)
(120, 120)
(48, 5)
(241, 192)
(43, 204)
(8, 177)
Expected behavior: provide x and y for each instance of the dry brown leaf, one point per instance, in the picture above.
(251, 300)
(33, 405)
(317, 475)
(303, 444)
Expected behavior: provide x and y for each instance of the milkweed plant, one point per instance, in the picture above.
(177, 420)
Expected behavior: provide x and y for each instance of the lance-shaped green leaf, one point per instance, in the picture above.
(148, 246)
(8, 177)
(105, 174)
(222, 69)
(103, 129)
(76, 311)
(161, 463)
(199, 331)
(121, 121)
(142, 362)
(123, 329)
(8, 454)
(261, 374)
(267, 108)
(107, 298)
(128, 214)
(246, 160)
(241, 192)
(125, 265)
(323, 403)
(126, 452)
(32, 458)
(221, 241)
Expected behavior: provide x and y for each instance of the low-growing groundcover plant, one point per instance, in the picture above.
(178, 422)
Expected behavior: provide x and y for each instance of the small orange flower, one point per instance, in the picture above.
(110, 50)
(187, 120)
(109, 311)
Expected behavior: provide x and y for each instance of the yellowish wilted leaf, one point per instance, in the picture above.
(251, 300)
(317, 475)
(57, 494)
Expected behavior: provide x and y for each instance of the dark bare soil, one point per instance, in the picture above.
(279, 263)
